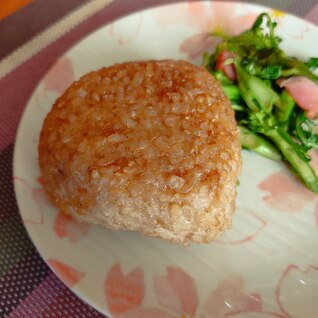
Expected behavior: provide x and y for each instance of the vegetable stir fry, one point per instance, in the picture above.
(275, 97)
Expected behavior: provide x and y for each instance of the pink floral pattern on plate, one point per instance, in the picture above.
(229, 298)
(246, 237)
(130, 34)
(66, 226)
(124, 292)
(60, 76)
(260, 314)
(285, 193)
(176, 294)
(70, 275)
(219, 17)
(39, 196)
(294, 282)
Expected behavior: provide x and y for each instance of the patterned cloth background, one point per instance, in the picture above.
(33, 35)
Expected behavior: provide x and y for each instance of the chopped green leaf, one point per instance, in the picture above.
(304, 131)
(312, 63)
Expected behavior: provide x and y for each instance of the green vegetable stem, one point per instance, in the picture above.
(296, 159)
(252, 141)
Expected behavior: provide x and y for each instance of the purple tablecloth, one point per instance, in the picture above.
(32, 39)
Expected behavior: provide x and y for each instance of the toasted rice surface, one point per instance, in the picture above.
(150, 146)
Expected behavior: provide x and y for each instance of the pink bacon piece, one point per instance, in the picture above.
(227, 69)
(304, 92)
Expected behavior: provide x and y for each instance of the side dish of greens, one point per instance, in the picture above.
(275, 97)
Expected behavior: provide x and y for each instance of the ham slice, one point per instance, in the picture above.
(227, 69)
(304, 92)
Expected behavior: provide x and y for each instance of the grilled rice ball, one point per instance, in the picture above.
(147, 146)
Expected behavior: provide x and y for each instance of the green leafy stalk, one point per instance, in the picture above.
(293, 67)
(255, 92)
(254, 142)
(294, 156)
(232, 92)
(221, 77)
(285, 108)
(271, 26)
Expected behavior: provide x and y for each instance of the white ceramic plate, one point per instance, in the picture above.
(266, 266)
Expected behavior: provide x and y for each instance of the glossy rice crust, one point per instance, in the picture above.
(148, 146)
